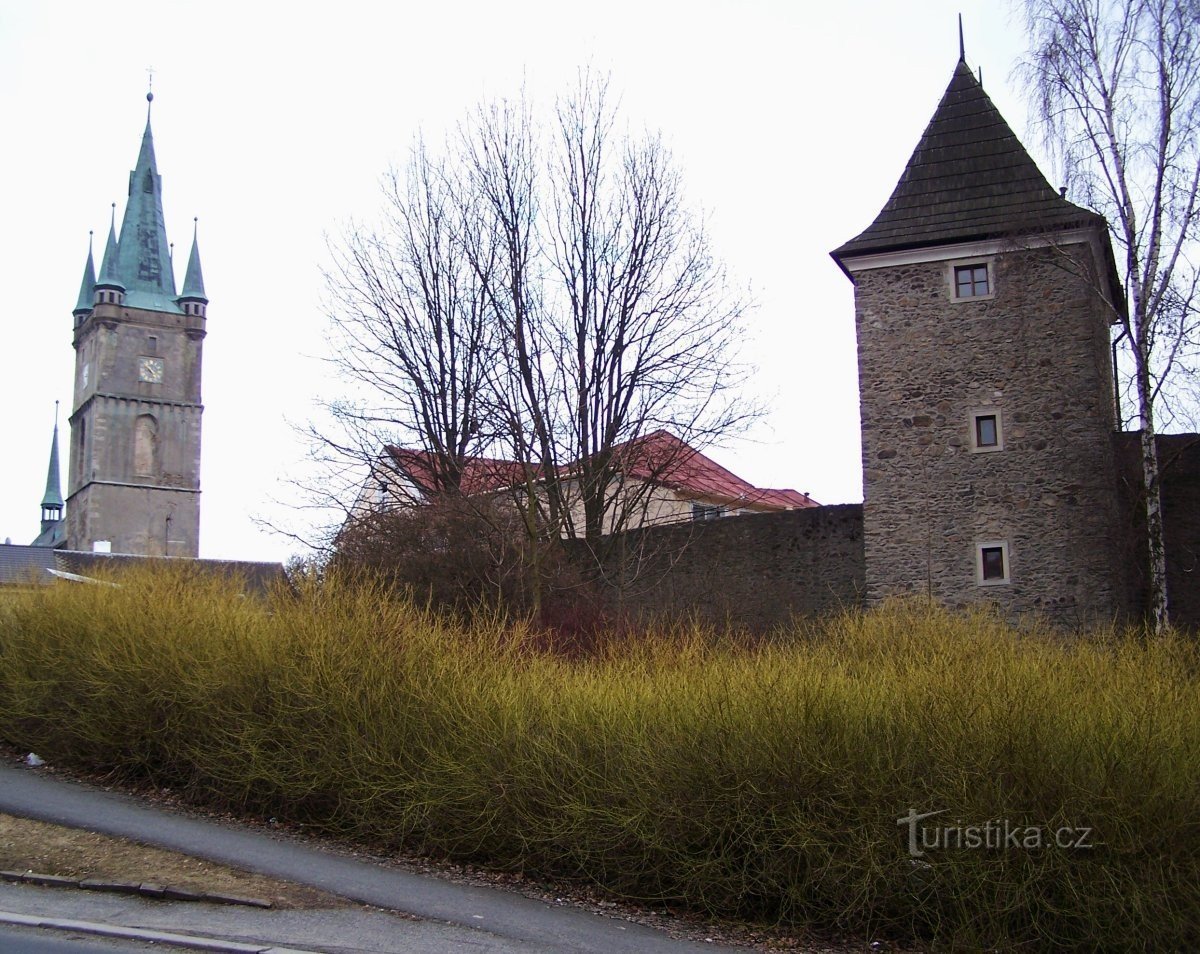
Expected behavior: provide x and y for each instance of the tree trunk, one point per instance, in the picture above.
(535, 562)
(1152, 499)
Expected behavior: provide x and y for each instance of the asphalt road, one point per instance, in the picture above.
(34, 941)
(467, 917)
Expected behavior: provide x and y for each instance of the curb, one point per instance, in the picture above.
(190, 941)
(146, 889)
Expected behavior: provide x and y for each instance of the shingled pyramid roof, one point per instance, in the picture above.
(969, 179)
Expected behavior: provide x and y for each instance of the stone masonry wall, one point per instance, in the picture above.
(1035, 352)
(758, 570)
(145, 521)
(1179, 458)
(122, 489)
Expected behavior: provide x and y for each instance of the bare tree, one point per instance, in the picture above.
(619, 321)
(648, 331)
(540, 295)
(1116, 84)
(501, 183)
(410, 329)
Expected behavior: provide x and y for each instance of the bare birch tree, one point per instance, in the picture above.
(1116, 85)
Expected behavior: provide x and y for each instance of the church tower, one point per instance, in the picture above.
(134, 475)
(983, 300)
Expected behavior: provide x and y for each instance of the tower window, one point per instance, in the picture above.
(152, 344)
(985, 430)
(991, 563)
(145, 446)
(987, 434)
(971, 281)
(82, 454)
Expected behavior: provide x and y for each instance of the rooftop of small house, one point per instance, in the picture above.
(659, 458)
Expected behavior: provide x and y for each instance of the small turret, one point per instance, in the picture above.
(193, 301)
(87, 288)
(110, 290)
(53, 528)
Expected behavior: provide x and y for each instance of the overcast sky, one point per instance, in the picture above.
(274, 123)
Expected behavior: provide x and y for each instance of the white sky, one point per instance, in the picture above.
(273, 123)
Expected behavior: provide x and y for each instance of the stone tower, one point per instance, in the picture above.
(983, 301)
(134, 475)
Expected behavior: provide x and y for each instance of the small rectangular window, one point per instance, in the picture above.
(707, 511)
(152, 344)
(971, 281)
(987, 432)
(991, 563)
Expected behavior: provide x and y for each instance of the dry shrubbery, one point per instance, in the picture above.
(760, 783)
(457, 553)
(473, 557)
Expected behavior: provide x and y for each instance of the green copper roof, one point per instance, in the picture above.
(53, 537)
(53, 496)
(193, 281)
(108, 264)
(87, 287)
(143, 255)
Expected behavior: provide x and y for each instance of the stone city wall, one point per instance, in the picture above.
(1179, 460)
(756, 570)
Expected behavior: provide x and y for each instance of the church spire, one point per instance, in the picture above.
(52, 500)
(143, 257)
(87, 287)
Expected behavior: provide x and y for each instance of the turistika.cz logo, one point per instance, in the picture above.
(995, 834)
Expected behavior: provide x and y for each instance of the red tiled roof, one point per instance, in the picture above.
(659, 457)
(663, 458)
(480, 474)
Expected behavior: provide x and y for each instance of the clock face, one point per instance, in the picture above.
(150, 369)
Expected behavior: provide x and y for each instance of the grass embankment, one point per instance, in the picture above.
(760, 783)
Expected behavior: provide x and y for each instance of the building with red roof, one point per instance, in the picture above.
(665, 480)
